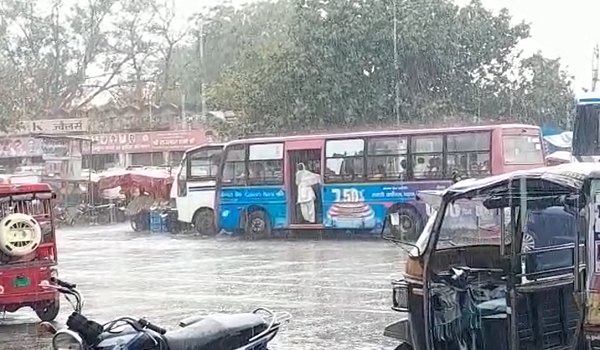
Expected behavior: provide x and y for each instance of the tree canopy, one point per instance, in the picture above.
(334, 64)
(287, 65)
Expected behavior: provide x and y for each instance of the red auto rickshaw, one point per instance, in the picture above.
(27, 249)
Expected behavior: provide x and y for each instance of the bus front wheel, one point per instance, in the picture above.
(257, 225)
(204, 222)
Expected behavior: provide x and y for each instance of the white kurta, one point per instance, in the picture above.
(306, 194)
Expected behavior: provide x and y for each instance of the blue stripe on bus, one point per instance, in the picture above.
(588, 101)
(346, 206)
(233, 200)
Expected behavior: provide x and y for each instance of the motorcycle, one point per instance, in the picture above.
(62, 217)
(95, 214)
(247, 331)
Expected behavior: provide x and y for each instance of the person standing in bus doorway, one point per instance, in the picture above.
(305, 180)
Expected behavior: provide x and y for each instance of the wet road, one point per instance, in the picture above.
(337, 291)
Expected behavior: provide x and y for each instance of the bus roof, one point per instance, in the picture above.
(584, 98)
(204, 145)
(403, 131)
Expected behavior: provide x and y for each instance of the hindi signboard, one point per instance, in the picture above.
(155, 141)
(56, 126)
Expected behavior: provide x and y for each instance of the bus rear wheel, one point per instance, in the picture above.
(257, 226)
(204, 222)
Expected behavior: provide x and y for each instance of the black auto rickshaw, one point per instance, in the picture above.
(502, 264)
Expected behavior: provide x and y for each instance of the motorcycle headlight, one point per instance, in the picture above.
(67, 340)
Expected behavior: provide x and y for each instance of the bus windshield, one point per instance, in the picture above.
(523, 149)
(586, 131)
(203, 163)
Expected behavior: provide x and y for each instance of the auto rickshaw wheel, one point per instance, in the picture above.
(47, 312)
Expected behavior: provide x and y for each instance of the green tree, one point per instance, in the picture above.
(67, 57)
(54, 51)
(333, 65)
(226, 34)
(544, 94)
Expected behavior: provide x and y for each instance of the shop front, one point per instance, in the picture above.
(157, 148)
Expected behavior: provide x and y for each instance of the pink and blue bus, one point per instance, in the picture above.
(356, 181)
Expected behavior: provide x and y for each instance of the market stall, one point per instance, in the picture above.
(147, 196)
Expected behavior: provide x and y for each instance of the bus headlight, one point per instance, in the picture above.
(400, 296)
(66, 339)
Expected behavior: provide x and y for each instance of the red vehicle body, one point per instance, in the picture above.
(28, 256)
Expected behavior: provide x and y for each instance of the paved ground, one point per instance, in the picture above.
(337, 291)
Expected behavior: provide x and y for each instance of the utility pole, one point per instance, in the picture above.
(396, 68)
(595, 63)
(184, 123)
(202, 70)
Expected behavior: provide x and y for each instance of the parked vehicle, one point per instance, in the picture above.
(248, 331)
(586, 127)
(28, 254)
(62, 217)
(140, 221)
(502, 264)
(194, 187)
(93, 214)
(147, 189)
(359, 181)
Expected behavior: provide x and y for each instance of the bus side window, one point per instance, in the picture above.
(344, 160)
(468, 154)
(427, 154)
(386, 158)
(234, 171)
(265, 164)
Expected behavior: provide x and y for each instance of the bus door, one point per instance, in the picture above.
(303, 182)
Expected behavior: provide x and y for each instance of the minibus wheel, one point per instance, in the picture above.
(257, 225)
(204, 222)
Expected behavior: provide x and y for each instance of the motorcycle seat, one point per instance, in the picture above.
(210, 329)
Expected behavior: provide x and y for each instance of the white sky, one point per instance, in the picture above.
(559, 29)
(565, 29)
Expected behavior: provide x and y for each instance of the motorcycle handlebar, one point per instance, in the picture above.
(68, 289)
(147, 324)
(63, 284)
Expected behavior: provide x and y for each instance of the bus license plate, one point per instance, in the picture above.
(21, 282)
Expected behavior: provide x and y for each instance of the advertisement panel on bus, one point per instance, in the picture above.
(364, 206)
